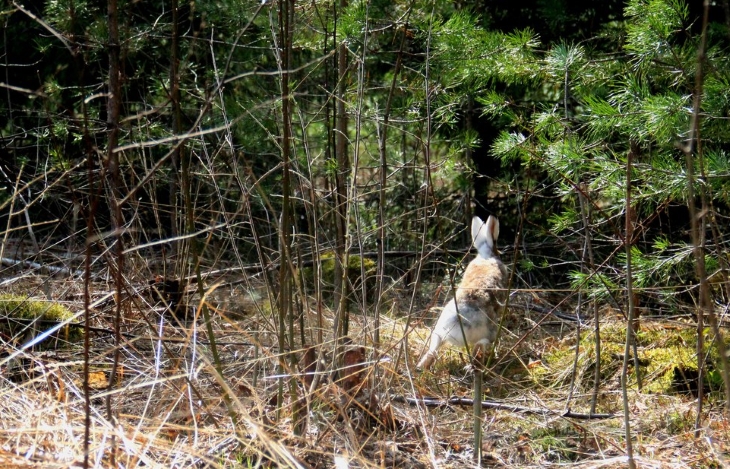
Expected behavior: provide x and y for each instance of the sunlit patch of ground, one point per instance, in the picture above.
(171, 408)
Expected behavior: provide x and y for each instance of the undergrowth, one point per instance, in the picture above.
(169, 410)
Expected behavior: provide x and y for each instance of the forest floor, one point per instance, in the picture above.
(169, 408)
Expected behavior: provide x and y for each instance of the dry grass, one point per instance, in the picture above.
(168, 408)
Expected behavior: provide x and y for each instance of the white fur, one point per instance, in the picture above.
(471, 316)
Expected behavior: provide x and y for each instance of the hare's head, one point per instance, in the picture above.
(485, 234)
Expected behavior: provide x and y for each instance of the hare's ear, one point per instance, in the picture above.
(493, 228)
(484, 235)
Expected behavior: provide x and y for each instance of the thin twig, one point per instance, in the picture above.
(630, 319)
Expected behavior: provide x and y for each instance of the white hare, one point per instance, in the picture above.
(471, 317)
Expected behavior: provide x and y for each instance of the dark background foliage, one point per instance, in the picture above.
(517, 109)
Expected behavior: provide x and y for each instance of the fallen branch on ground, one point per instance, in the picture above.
(464, 401)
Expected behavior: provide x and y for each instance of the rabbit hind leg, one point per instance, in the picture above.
(430, 356)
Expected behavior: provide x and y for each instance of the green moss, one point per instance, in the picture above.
(356, 266)
(667, 357)
(19, 314)
(556, 441)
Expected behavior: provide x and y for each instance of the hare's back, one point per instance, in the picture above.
(483, 278)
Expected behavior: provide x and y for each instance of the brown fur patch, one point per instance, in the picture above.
(481, 279)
